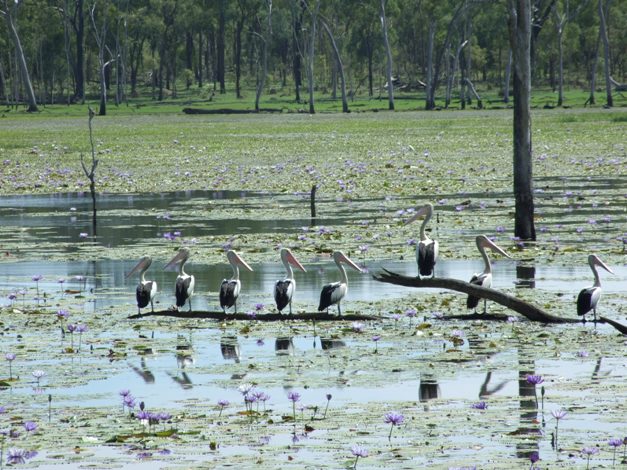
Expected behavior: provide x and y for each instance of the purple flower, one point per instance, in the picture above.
(615, 442)
(293, 396)
(558, 414)
(30, 426)
(582, 353)
(590, 451)
(245, 388)
(83, 235)
(500, 229)
(259, 307)
(37, 277)
(129, 401)
(260, 342)
(10, 357)
(38, 374)
(223, 403)
(376, 338)
(411, 242)
(482, 405)
(82, 328)
(62, 314)
(534, 379)
(394, 418)
(124, 392)
(18, 456)
(411, 312)
(359, 451)
(534, 456)
(71, 328)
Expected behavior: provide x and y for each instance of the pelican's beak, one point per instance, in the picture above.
(487, 243)
(294, 262)
(241, 262)
(345, 259)
(600, 263)
(142, 264)
(423, 211)
(182, 255)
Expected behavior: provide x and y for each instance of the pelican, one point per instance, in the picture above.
(146, 290)
(284, 289)
(589, 297)
(229, 289)
(427, 249)
(333, 293)
(184, 282)
(483, 279)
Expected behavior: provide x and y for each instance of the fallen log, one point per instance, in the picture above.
(221, 316)
(524, 308)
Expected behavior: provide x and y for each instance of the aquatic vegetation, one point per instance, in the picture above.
(588, 452)
(614, 444)
(394, 419)
(482, 405)
(10, 357)
(358, 451)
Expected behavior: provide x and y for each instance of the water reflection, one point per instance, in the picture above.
(284, 346)
(327, 344)
(526, 276)
(229, 347)
(429, 389)
(143, 371)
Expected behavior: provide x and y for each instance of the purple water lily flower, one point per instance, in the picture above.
(358, 451)
(534, 379)
(30, 426)
(395, 419)
(482, 405)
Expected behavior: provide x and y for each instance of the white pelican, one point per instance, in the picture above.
(333, 293)
(229, 289)
(589, 297)
(184, 282)
(427, 249)
(146, 290)
(284, 289)
(483, 279)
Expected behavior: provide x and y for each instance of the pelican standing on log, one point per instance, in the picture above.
(589, 297)
(146, 290)
(284, 289)
(333, 293)
(427, 249)
(483, 279)
(229, 289)
(184, 282)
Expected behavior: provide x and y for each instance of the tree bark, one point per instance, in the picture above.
(430, 91)
(79, 65)
(340, 67)
(508, 77)
(388, 53)
(311, 57)
(221, 46)
(520, 40)
(265, 38)
(21, 59)
(609, 101)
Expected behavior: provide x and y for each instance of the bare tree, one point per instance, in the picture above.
(311, 56)
(100, 35)
(388, 53)
(520, 42)
(340, 66)
(91, 172)
(606, 51)
(265, 38)
(21, 59)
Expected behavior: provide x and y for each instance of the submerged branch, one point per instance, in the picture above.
(526, 309)
(219, 315)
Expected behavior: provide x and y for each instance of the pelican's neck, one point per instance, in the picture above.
(487, 267)
(423, 235)
(182, 268)
(597, 279)
(343, 277)
(142, 273)
(289, 270)
(235, 271)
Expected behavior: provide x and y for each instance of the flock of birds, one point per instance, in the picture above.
(333, 293)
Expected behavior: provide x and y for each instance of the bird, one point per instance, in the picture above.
(589, 297)
(333, 293)
(229, 289)
(483, 279)
(146, 290)
(427, 249)
(184, 282)
(284, 289)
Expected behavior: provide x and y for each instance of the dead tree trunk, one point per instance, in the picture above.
(520, 41)
(91, 173)
(340, 66)
(388, 53)
(606, 54)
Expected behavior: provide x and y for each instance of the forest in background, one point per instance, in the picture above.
(66, 51)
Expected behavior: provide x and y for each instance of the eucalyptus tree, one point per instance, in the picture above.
(10, 18)
(100, 32)
(388, 54)
(519, 19)
(244, 12)
(309, 48)
(340, 64)
(604, 7)
(563, 14)
(363, 38)
(264, 34)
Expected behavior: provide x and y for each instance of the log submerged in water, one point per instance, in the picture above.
(221, 316)
(531, 312)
